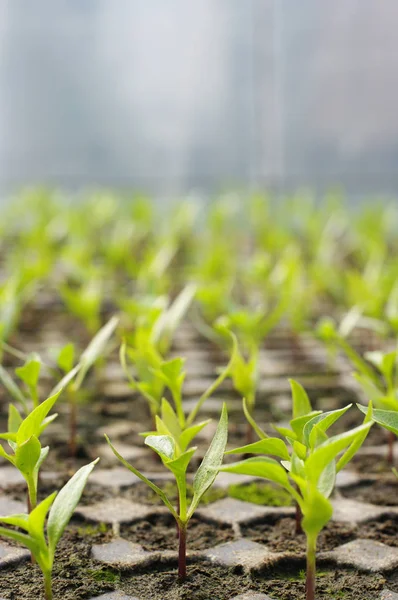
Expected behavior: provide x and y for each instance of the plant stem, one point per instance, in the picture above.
(311, 568)
(47, 586)
(72, 422)
(32, 494)
(299, 516)
(182, 551)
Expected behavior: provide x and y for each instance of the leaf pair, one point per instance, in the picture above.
(60, 508)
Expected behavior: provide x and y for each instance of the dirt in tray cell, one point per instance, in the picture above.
(371, 464)
(384, 529)
(205, 582)
(75, 575)
(158, 532)
(379, 492)
(279, 535)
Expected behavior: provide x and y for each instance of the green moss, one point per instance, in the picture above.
(104, 575)
(92, 530)
(260, 493)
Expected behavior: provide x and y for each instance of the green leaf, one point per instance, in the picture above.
(30, 371)
(26, 456)
(21, 538)
(317, 512)
(386, 418)
(327, 479)
(170, 419)
(164, 445)
(14, 419)
(179, 465)
(66, 357)
(322, 423)
(328, 451)
(135, 471)
(96, 348)
(212, 460)
(33, 422)
(38, 516)
(190, 433)
(12, 388)
(259, 466)
(273, 446)
(299, 423)
(301, 403)
(20, 520)
(357, 443)
(65, 504)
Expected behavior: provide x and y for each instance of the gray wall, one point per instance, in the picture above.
(174, 94)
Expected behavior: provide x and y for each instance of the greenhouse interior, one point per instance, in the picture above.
(198, 300)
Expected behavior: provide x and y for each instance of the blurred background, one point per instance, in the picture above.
(172, 96)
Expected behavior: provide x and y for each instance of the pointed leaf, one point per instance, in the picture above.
(298, 424)
(212, 460)
(323, 422)
(66, 357)
(21, 521)
(386, 418)
(29, 373)
(38, 516)
(33, 422)
(26, 456)
(14, 419)
(327, 479)
(135, 471)
(21, 538)
(179, 465)
(259, 466)
(65, 504)
(170, 419)
(190, 433)
(357, 443)
(273, 446)
(164, 445)
(328, 451)
(96, 348)
(301, 402)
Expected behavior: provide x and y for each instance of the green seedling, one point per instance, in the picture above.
(85, 302)
(75, 375)
(177, 461)
(23, 438)
(42, 540)
(156, 374)
(29, 373)
(376, 373)
(308, 467)
(250, 328)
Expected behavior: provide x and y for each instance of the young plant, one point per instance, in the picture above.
(42, 540)
(308, 467)
(23, 438)
(250, 328)
(156, 374)
(75, 375)
(376, 373)
(177, 461)
(85, 302)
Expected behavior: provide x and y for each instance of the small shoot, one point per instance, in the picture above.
(176, 459)
(31, 531)
(308, 467)
(23, 438)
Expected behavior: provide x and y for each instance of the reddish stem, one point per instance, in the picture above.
(299, 516)
(182, 553)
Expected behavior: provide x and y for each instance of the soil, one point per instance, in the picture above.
(384, 529)
(278, 534)
(379, 492)
(219, 583)
(158, 532)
